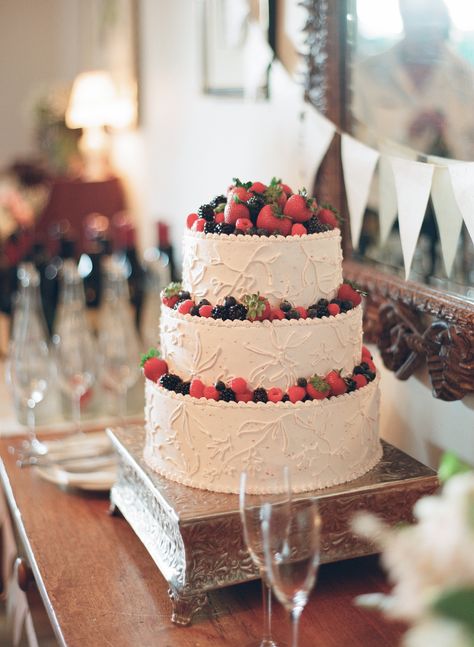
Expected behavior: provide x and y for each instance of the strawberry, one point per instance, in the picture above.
(366, 354)
(298, 229)
(241, 192)
(243, 224)
(275, 194)
(274, 221)
(238, 385)
(196, 388)
(211, 393)
(371, 365)
(169, 295)
(185, 306)
(205, 311)
(153, 366)
(219, 217)
(286, 189)
(336, 383)
(317, 388)
(296, 393)
(298, 207)
(235, 209)
(247, 396)
(348, 292)
(360, 380)
(258, 187)
(258, 308)
(277, 314)
(328, 215)
(334, 309)
(191, 219)
(198, 225)
(302, 312)
(275, 394)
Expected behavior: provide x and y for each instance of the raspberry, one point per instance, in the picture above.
(205, 311)
(185, 306)
(360, 380)
(211, 393)
(302, 312)
(219, 218)
(366, 354)
(298, 229)
(296, 393)
(334, 309)
(277, 314)
(239, 385)
(196, 388)
(191, 219)
(244, 224)
(198, 225)
(275, 394)
(244, 397)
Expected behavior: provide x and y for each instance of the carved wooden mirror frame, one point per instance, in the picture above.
(411, 323)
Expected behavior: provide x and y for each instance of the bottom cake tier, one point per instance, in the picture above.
(207, 444)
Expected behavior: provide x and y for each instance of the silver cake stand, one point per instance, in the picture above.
(195, 536)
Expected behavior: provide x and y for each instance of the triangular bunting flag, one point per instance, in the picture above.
(448, 215)
(462, 182)
(413, 185)
(358, 164)
(387, 199)
(317, 135)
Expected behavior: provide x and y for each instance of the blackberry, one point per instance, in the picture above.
(229, 301)
(302, 381)
(203, 302)
(183, 388)
(220, 386)
(252, 231)
(292, 314)
(210, 228)
(346, 305)
(239, 311)
(183, 295)
(170, 381)
(312, 313)
(239, 232)
(219, 312)
(255, 204)
(322, 303)
(206, 211)
(195, 311)
(228, 395)
(370, 375)
(315, 226)
(285, 398)
(219, 199)
(262, 232)
(351, 385)
(336, 301)
(224, 228)
(285, 306)
(260, 395)
(364, 365)
(358, 370)
(322, 312)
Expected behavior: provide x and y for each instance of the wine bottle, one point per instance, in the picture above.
(165, 247)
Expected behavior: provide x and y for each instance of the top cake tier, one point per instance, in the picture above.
(302, 269)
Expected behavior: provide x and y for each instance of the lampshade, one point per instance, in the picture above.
(94, 102)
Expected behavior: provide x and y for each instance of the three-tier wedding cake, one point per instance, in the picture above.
(261, 360)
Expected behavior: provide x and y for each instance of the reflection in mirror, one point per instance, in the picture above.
(412, 89)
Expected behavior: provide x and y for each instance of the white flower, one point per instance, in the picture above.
(434, 632)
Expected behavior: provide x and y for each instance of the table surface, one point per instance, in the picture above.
(101, 588)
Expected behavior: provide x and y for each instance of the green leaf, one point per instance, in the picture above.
(152, 352)
(457, 605)
(451, 465)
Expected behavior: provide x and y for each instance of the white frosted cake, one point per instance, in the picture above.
(261, 360)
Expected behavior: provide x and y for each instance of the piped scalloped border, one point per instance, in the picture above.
(356, 311)
(332, 233)
(367, 389)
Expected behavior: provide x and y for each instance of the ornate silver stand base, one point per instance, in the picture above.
(195, 536)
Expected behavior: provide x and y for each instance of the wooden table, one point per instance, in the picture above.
(101, 588)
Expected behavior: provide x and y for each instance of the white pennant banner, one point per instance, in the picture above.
(448, 215)
(387, 199)
(358, 164)
(413, 186)
(462, 182)
(318, 133)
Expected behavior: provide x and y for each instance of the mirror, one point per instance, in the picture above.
(411, 70)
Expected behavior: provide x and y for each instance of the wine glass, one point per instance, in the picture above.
(251, 505)
(291, 541)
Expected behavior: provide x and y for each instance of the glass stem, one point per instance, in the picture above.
(31, 422)
(76, 412)
(267, 611)
(295, 620)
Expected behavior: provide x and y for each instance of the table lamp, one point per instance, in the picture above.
(94, 103)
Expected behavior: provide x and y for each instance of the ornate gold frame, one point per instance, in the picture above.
(411, 323)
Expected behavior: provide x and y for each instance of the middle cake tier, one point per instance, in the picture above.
(265, 353)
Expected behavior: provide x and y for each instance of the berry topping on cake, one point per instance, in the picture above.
(196, 388)
(302, 381)
(244, 224)
(191, 219)
(336, 383)
(239, 385)
(258, 308)
(153, 366)
(299, 207)
(219, 217)
(315, 226)
(198, 225)
(296, 393)
(185, 307)
(317, 388)
(328, 215)
(170, 381)
(235, 209)
(211, 393)
(334, 309)
(170, 294)
(239, 312)
(277, 313)
(258, 187)
(260, 395)
(224, 228)
(220, 385)
(366, 354)
(247, 396)
(360, 380)
(206, 211)
(274, 394)
(219, 199)
(273, 220)
(183, 388)
(350, 292)
(219, 312)
(228, 395)
(205, 311)
(298, 229)
(255, 205)
(275, 194)
(303, 313)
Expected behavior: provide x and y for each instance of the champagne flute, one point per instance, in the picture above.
(291, 543)
(251, 506)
